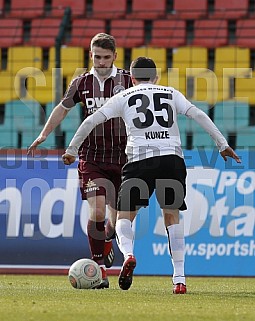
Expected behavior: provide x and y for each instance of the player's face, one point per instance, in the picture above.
(102, 60)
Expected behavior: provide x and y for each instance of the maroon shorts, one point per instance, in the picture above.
(100, 179)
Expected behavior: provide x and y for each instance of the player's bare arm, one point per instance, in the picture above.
(57, 115)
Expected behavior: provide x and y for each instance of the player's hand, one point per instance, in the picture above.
(229, 152)
(68, 159)
(31, 149)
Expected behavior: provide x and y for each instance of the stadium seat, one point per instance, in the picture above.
(44, 32)
(234, 9)
(230, 116)
(147, 9)
(23, 114)
(157, 54)
(2, 5)
(244, 89)
(231, 57)
(58, 7)
(23, 57)
(189, 57)
(210, 33)
(10, 86)
(27, 8)
(128, 33)
(245, 138)
(183, 129)
(72, 58)
(11, 32)
(245, 33)
(190, 9)
(168, 33)
(200, 138)
(231, 66)
(109, 9)
(22, 118)
(71, 123)
(41, 86)
(83, 30)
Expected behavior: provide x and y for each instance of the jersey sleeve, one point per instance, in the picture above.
(71, 96)
(112, 108)
(182, 103)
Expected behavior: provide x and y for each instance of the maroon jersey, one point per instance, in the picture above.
(107, 142)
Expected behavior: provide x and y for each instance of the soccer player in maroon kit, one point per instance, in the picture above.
(102, 154)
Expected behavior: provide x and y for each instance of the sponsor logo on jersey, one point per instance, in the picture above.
(117, 89)
(91, 186)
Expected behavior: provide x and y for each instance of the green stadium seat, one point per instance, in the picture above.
(71, 122)
(200, 138)
(245, 138)
(230, 116)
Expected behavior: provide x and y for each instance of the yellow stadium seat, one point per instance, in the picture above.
(19, 58)
(244, 89)
(172, 78)
(189, 57)
(10, 86)
(72, 58)
(157, 54)
(120, 60)
(231, 57)
(41, 87)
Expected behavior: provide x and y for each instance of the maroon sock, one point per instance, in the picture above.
(96, 236)
(109, 231)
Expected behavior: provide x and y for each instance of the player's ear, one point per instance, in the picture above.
(90, 54)
(155, 80)
(115, 55)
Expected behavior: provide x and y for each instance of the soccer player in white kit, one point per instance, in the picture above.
(155, 160)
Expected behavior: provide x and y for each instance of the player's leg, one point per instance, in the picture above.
(175, 233)
(109, 236)
(96, 233)
(125, 239)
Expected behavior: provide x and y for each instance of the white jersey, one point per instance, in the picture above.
(150, 115)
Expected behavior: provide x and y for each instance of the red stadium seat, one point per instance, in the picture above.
(11, 32)
(210, 33)
(109, 9)
(1, 7)
(231, 9)
(128, 33)
(168, 33)
(147, 9)
(44, 32)
(84, 29)
(77, 7)
(245, 30)
(27, 8)
(190, 9)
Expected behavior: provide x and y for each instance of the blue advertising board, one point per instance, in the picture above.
(43, 220)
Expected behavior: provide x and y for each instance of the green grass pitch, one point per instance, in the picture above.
(51, 298)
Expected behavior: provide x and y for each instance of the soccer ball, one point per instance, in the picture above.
(85, 274)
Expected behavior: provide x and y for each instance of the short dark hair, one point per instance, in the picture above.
(143, 69)
(103, 40)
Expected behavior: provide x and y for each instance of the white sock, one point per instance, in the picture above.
(125, 237)
(177, 246)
